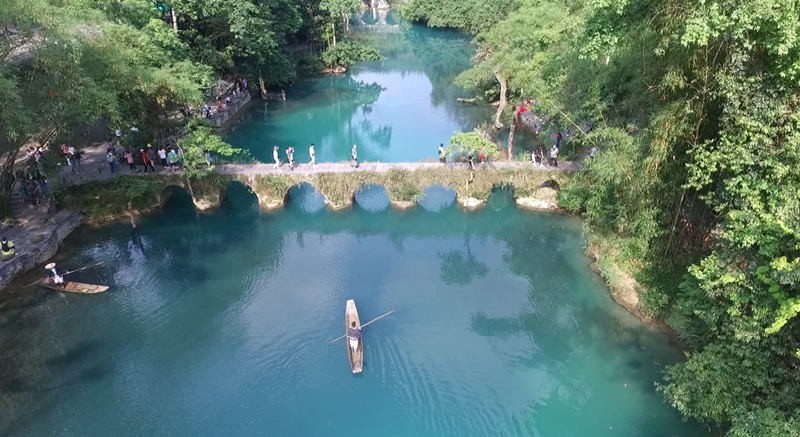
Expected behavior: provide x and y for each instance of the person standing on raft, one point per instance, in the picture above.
(353, 335)
(56, 277)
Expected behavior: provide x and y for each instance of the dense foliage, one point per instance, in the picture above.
(694, 108)
(69, 64)
(463, 144)
(199, 143)
(471, 15)
(348, 53)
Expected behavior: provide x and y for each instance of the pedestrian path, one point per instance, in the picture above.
(378, 167)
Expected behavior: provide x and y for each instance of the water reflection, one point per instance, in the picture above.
(461, 267)
(223, 318)
(396, 109)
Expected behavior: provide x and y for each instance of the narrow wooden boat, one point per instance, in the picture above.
(356, 356)
(75, 287)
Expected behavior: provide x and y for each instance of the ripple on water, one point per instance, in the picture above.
(221, 324)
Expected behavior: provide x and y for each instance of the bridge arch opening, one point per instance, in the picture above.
(239, 197)
(176, 202)
(501, 197)
(437, 197)
(372, 198)
(305, 198)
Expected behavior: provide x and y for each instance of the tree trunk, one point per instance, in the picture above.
(511, 135)
(334, 33)
(346, 22)
(503, 101)
(7, 180)
(189, 188)
(7, 170)
(174, 20)
(261, 85)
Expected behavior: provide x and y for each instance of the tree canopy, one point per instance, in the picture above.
(694, 107)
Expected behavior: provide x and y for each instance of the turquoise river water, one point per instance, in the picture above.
(220, 324)
(396, 109)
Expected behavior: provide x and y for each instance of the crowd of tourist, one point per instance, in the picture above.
(30, 180)
(239, 87)
(312, 154)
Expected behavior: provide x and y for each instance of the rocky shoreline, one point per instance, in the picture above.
(42, 243)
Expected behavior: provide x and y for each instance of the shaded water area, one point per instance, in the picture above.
(219, 324)
(396, 109)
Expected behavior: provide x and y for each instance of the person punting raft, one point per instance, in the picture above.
(55, 281)
(54, 276)
(355, 341)
(355, 344)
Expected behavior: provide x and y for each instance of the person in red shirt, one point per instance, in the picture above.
(482, 156)
(145, 160)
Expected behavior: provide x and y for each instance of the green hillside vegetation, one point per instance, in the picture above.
(68, 64)
(693, 106)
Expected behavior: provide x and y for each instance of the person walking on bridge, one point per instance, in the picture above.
(290, 157)
(313, 155)
(554, 156)
(162, 156)
(111, 160)
(354, 156)
(275, 157)
(129, 160)
(442, 158)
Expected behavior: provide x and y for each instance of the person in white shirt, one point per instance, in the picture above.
(554, 156)
(275, 157)
(162, 156)
(354, 155)
(290, 157)
(312, 154)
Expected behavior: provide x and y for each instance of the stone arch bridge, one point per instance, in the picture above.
(534, 187)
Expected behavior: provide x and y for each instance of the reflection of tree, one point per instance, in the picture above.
(382, 136)
(461, 268)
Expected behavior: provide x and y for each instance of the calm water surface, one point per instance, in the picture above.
(219, 325)
(397, 109)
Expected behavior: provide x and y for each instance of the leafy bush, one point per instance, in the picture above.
(347, 53)
(96, 200)
(462, 144)
(199, 141)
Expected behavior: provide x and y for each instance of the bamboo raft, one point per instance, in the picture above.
(356, 356)
(75, 287)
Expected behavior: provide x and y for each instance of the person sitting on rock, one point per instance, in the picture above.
(7, 249)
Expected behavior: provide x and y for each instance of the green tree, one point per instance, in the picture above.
(340, 9)
(462, 144)
(347, 53)
(195, 145)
